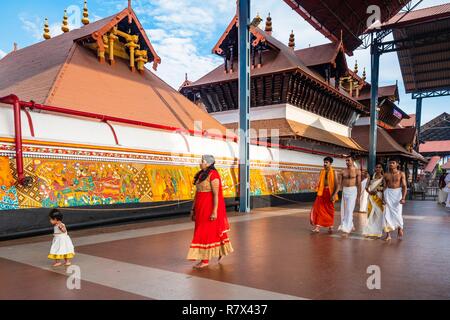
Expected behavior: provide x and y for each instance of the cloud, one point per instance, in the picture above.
(2, 54)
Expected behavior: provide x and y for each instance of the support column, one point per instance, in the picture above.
(418, 120)
(375, 69)
(244, 105)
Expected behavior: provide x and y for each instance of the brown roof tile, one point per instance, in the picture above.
(317, 55)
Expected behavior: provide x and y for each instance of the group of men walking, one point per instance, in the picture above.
(383, 194)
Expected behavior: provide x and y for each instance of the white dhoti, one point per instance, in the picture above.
(349, 195)
(374, 227)
(393, 218)
(364, 198)
(442, 196)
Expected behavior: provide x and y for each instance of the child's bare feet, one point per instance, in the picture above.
(388, 237)
(68, 263)
(201, 265)
(57, 264)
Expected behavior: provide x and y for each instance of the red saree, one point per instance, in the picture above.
(210, 237)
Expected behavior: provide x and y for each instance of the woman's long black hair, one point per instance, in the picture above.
(203, 174)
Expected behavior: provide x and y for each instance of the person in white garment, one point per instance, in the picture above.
(374, 226)
(447, 190)
(350, 184)
(443, 181)
(62, 246)
(364, 198)
(393, 199)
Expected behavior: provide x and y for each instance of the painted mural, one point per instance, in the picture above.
(73, 183)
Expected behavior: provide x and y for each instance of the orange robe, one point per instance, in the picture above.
(322, 213)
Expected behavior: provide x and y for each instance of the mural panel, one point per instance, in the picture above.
(72, 183)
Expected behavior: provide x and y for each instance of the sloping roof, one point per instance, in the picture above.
(390, 91)
(289, 128)
(422, 36)
(317, 55)
(408, 122)
(63, 73)
(331, 17)
(386, 145)
(435, 146)
(436, 129)
(404, 136)
(432, 164)
(279, 60)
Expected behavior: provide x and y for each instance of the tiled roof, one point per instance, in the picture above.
(63, 73)
(317, 55)
(435, 146)
(411, 122)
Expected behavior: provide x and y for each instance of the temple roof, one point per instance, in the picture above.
(63, 72)
(386, 144)
(436, 129)
(279, 59)
(408, 122)
(322, 54)
(390, 92)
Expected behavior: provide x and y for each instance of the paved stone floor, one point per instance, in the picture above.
(276, 257)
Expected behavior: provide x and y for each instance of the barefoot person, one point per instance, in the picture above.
(322, 213)
(209, 213)
(350, 181)
(62, 246)
(394, 199)
(374, 227)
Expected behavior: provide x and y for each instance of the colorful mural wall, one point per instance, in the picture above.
(72, 183)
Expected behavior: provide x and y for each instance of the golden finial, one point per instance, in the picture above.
(46, 30)
(364, 74)
(65, 23)
(256, 21)
(356, 67)
(292, 40)
(85, 19)
(268, 25)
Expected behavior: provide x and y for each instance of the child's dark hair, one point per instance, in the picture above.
(56, 215)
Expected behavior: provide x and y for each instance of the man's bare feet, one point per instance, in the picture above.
(345, 235)
(316, 230)
(400, 233)
(57, 264)
(220, 258)
(388, 237)
(201, 265)
(68, 263)
(330, 230)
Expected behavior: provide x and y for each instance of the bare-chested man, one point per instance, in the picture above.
(350, 184)
(393, 199)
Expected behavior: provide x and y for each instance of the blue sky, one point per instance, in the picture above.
(184, 32)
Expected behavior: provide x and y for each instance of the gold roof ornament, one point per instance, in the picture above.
(46, 34)
(356, 67)
(364, 74)
(256, 21)
(268, 28)
(65, 23)
(292, 40)
(85, 19)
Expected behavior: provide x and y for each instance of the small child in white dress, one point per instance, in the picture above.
(62, 247)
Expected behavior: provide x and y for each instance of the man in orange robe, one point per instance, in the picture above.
(322, 213)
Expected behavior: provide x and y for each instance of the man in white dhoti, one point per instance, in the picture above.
(375, 188)
(394, 198)
(350, 184)
(364, 198)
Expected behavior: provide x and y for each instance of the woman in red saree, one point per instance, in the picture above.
(209, 213)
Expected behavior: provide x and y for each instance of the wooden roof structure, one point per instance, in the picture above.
(344, 18)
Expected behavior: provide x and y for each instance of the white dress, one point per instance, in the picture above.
(62, 247)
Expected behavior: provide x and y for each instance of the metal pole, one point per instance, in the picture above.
(418, 120)
(244, 105)
(375, 69)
